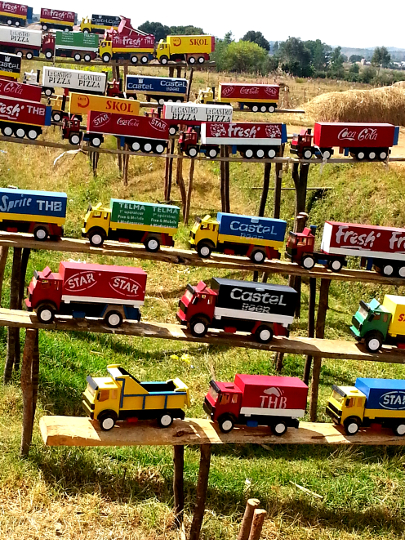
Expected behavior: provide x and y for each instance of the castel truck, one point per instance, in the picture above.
(192, 49)
(255, 237)
(262, 309)
(122, 397)
(99, 23)
(15, 14)
(257, 400)
(161, 89)
(132, 221)
(370, 401)
(111, 293)
(257, 97)
(10, 66)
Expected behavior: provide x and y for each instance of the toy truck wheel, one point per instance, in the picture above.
(152, 244)
(212, 153)
(20, 54)
(271, 108)
(29, 55)
(107, 420)
(48, 92)
(163, 60)
(383, 155)
(165, 420)
(257, 256)
(192, 151)
(134, 59)
(56, 116)
(360, 155)
(144, 59)
(9, 22)
(74, 138)
(20, 133)
(279, 428)
(7, 131)
(352, 425)
(335, 265)
(308, 262)
(40, 233)
(46, 313)
(373, 341)
(147, 147)
(372, 155)
(96, 237)
(264, 334)
(399, 430)
(106, 58)
(159, 148)
(255, 108)
(387, 270)
(95, 141)
(198, 326)
(44, 27)
(32, 134)
(326, 153)
(201, 60)
(401, 271)
(17, 23)
(172, 130)
(135, 146)
(271, 153)
(77, 57)
(191, 60)
(226, 423)
(307, 153)
(86, 31)
(113, 319)
(260, 153)
(204, 249)
(248, 153)
(87, 58)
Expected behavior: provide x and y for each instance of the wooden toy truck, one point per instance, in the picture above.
(254, 400)
(127, 43)
(23, 42)
(23, 118)
(76, 45)
(192, 49)
(122, 397)
(257, 97)
(194, 114)
(15, 14)
(57, 19)
(14, 89)
(161, 89)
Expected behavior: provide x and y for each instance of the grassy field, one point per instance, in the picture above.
(126, 493)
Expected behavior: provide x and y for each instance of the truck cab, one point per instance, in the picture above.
(163, 52)
(204, 235)
(196, 308)
(44, 294)
(222, 403)
(105, 51)
(301, 244)
(96, 224)
(371, 323)
(301, 144)
(346, 407)
(206, 96)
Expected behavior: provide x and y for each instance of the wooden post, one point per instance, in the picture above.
(277, 185)
(300, 182)
(202, 487)
(178, 484)
(28, 390)
(171, 71)
(13, 334)
(265, 191)
(169, 171)
(180, 181)
(178, 71)
(94, 162)
(119, 155)
(311, 324)
(257, 524)
(3, 261)
(125, 164)
(225, 201)
(21, 293)
(190, 189)
(251, 506)
(190, 82)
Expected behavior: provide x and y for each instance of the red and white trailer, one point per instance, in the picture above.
(194, 114)
(57, 19)
(22, 118)
(20, 41)
(14, 89)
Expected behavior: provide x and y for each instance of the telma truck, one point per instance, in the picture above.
(192, 49)
(257, 97)
(161, 89)
(122, 397)
(42, 213)
(97, 24)
(257, 400)
(76, 45)
(20, 41)
(368, 402)
(88, 82)
(376, 323)
(255, 237)
(262, 309)
(57, 19)
(131, 221)
(15, 14)
(111, 293)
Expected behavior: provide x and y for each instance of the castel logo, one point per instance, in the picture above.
(273, 399)
(101, 120)
(80, 281)
(227, 91)
(159, 124)
(125, 286)
(176, 42)
(394, 400)
(271, 91)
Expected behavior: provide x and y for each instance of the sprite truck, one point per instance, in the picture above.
(376, 323)
(130, 221)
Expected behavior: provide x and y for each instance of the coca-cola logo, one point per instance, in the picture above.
(159, 124)
(249, 91)
(12, 88)
(227, 91)
(271, 90)
(101, 120)
(346, 135)
(130, 122)
(366, 134)
(124, 285)
(273, 131)
(80, 281)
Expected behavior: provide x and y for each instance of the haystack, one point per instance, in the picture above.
(385, 104)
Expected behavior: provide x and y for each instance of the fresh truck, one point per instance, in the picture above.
(159, 88)
(381, 247)
(10, 66)
(127, 43)
(14, 89)
(257, 97)
(262, 309)
(88, 82)
(132, 221)
(122, 397)
(57, 19)
(251, 140)
(192, 49)
(254, 400)
(23, 118)
(76, 45)
(42, 213)
(194, 114)
(370, 401)
(20, 41)
(15, 14)
(363, 141)
(375, 323)
(256, 237)
(99, 23)
(111, 293)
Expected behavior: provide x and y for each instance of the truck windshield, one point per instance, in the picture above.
(292, 241)
(189, 295)
(363, 312)
(336, 396)
(213, 393)
(90, 390)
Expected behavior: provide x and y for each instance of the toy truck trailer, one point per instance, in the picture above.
(127, 43)
(15, 14)
(161, 89)
(14, 89)
(363, 141)
(57, 19)
(194, 114)
(254, 400)
(23, 118)
(256, 237)
(88, 82)
(76, 45)
(375, 323)
(10, 66)
(42, 213)
(20, 41)
(122, 397)
(370, 401)
(111, 293)
(130, 221)
(257, 97)
(249, 139)
(97, 24)
(263, 310)
(192, 49)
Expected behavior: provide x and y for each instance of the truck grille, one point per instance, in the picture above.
(356, 323)
(334, 413)
(182, 307)
(208, 408)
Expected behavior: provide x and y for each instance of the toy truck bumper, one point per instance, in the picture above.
(355, 333)
(181, 317)
(334, 413)
(208, 409)
(88, 407)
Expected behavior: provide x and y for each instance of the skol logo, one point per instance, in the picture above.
(176, 42)
(83, 101)
(80, 281)
(124, 285)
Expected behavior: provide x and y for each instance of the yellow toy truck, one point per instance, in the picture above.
(192, 49)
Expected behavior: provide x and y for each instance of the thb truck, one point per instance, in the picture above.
(254, 400)
(368, 402)
(262, 309)
(111, 293)
(131, 221)
(15, 14)
(256, 237)
(192, 49)
(122, 397)
(376, 323)
(258, 97)
(57, 19)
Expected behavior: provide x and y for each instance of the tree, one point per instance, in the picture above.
(336, 63)
(189, 30)
(245, 56)
(381, 57)
(355, 58)
(156, 28)
(275, 47)
(319, 54)
(295, 57)
(257, 37)
(354, 68)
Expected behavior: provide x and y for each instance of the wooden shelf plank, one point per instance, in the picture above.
(81, 431)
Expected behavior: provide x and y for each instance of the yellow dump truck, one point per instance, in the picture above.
(120, 397)
(192, 49)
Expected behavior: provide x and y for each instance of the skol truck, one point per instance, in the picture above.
(23, 118)
(15, 14)
(194, 114)
(99, 23)
(130, 221)
(258, 97)
(42, 213)
(192, 49)
(262, 309)
(127, 43)
(20, 41)
(14, 89)
(256, 237)
(161, 89)
(121, 397)
(88, 82)
(76, 45)
(111, 293)
(376, 323)
(10, 66)
(254, 400)
(57, 19)
(368, 402)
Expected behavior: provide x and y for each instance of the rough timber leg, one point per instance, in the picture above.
(189, 192)
(257, 524)
(169, 171)
(13, 334)
(3, 261)
(21, 293)
(29, 387)
(202, 487)
(311, 325)
(178, 484)
(251, 506)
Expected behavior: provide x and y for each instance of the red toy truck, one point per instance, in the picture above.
(15, 14)
(255, 400)
(112, 293)
(23, 118)
(361, 141)
(57, 19)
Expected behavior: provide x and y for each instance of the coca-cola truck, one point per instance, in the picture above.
(23, 118)
(363, 141)
(261, 309)
(111, 293)
(14, 89)
(127, 43)
(15, 14)
(255, 400)
(257, 97)
(251, 140)
(20, 41)
(194, 114)
(57, 19)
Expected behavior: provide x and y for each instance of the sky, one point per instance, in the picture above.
(348, 23)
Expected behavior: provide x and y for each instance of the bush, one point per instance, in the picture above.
(245, 56)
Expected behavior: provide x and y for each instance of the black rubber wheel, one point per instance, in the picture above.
(107, 420)
(226, 423)
(46, 313)
(113, 319)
